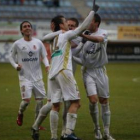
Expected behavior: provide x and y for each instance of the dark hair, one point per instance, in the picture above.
(23, 23)
(75, 20)
(57, 20)
(97, 18)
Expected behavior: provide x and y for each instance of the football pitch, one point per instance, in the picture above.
(124, 79)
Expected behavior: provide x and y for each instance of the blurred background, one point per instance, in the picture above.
(121, 18)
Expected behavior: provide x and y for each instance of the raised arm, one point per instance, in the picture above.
(82, 27)
(49, 37)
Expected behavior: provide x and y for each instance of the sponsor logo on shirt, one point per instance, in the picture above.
(30, 59)
(93, 49)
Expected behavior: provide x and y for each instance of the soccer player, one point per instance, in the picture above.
(29, 52)
(93, 58)
(61, 79)
(73, 23)
(61, 82)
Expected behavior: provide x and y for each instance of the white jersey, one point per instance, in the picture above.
(61, 56)
(28, 55)
(94, 54)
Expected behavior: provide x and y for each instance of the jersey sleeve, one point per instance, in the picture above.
(76, 50)
(44, 55)
(49, 37)
(82, 27)
(104, 34)
(12, 56)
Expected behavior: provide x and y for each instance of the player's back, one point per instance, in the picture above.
(61, 56)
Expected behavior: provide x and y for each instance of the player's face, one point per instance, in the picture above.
(26, 29)
(64, 26)
(93, 26)
(71, 24)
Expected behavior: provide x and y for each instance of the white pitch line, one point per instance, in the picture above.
(136, 79)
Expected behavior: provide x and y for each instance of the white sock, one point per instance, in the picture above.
(39, 104)
(54, 117)
(23, 106)
(94, 112)
(42, 115)
(106, 117)
(65, 111)
(71, 122)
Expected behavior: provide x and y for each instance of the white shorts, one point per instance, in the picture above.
(96, 82)
(37, 88)
(63, 86)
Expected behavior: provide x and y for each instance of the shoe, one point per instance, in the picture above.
(62, 138)
(35, 134)
(98, 135)
(42, 128)
(20, 119)
(108, 137)
(70, 137)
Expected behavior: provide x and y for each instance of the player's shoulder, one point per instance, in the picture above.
(18, 41)
(100, 30)
(36, 40)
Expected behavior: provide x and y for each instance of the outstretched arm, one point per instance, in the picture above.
(82, 27)
(76, 51)
(77, 60)
(49, 37)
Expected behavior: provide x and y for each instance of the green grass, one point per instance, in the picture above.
(124, 103)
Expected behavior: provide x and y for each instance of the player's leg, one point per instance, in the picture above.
(103, 89)
(39, 93)
(54, 118)
(26, 90)
(65, 111)
(70, 93)
(42, 115)
(40, 118)
(56, 98)
(72, 117)
(91, 90)
(106, 114)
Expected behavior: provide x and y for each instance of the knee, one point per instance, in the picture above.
(103, 100)
(26, 102)
(93, 101)
(79, 105)
(56, 107)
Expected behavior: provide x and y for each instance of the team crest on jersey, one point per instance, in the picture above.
(30, 54)
(34, 47)
(23, 88)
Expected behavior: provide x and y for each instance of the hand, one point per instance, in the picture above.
(19, 67)
(95, 8)
(86, 32)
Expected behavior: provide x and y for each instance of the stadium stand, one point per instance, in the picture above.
(118, 11)
(33, 11)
